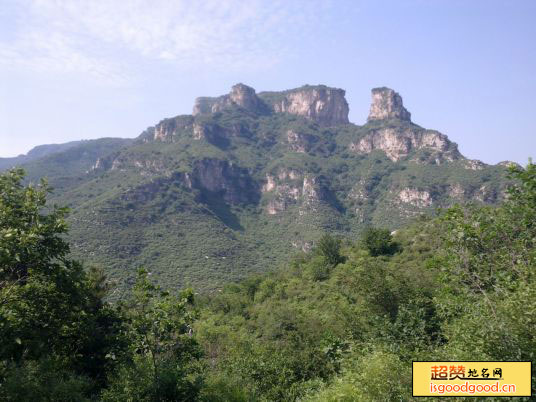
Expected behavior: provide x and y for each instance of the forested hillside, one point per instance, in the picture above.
(340, 323)
(250, 178)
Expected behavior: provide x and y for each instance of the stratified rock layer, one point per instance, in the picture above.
(398, 142)
(323, 105)
(387, 104)
(326, 106)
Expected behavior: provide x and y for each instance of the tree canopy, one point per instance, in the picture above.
(342, 322)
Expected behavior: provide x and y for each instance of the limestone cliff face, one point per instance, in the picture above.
(399, 139)
(389, 129)
(326, 106)
(240, 95)
(284, 188)
(323, 105)
(387, 104)
(209, 132)
(145, 167)
(415, 197)
(101, 164)
(231, 182)
(313, 189)
(167, 129)
(397, 143)
(245, 97)
(290, 187)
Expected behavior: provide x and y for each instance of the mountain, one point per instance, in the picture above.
(36, 153)
(250, 177)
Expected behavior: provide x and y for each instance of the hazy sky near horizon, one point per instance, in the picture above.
(74, 70)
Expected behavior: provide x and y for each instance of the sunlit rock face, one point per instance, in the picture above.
(285, 189)
(299, 142)
(392, 132)
(206, 131)
(290, 187)
(241, 95)
(167, 129)
(245, 97)
(415, 197)
(397, 143)
(323, 105)
(387, 104)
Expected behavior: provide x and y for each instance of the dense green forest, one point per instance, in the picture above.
(340, 323)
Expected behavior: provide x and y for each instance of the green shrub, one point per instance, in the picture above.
(379, 242)
(329, 247)
(44, 380)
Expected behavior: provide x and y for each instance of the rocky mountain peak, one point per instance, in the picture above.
(319, 103)
(244, 96)
(324, 105)
(387, 104)
(240, 95)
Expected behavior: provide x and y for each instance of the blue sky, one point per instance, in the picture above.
(88, 69)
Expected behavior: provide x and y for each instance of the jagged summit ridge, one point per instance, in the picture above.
(324, 105)
(388, 129)
(387, 104)
(319, 103)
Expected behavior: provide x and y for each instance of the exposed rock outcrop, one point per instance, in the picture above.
(387, 104)
(300, 142)
(360, 191)
(474, 164)
(245, 97)
(285, 189)
(290, 187)
(232, 182)
(398, 142)
(486, 194)
(101, 164)
(206, 131)
(509, 164)
(456, 191)
(167, 129)
(305, 246)
(241, 95)
(415, 197)
(146, 167)
(312, 189)
(323, 105)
